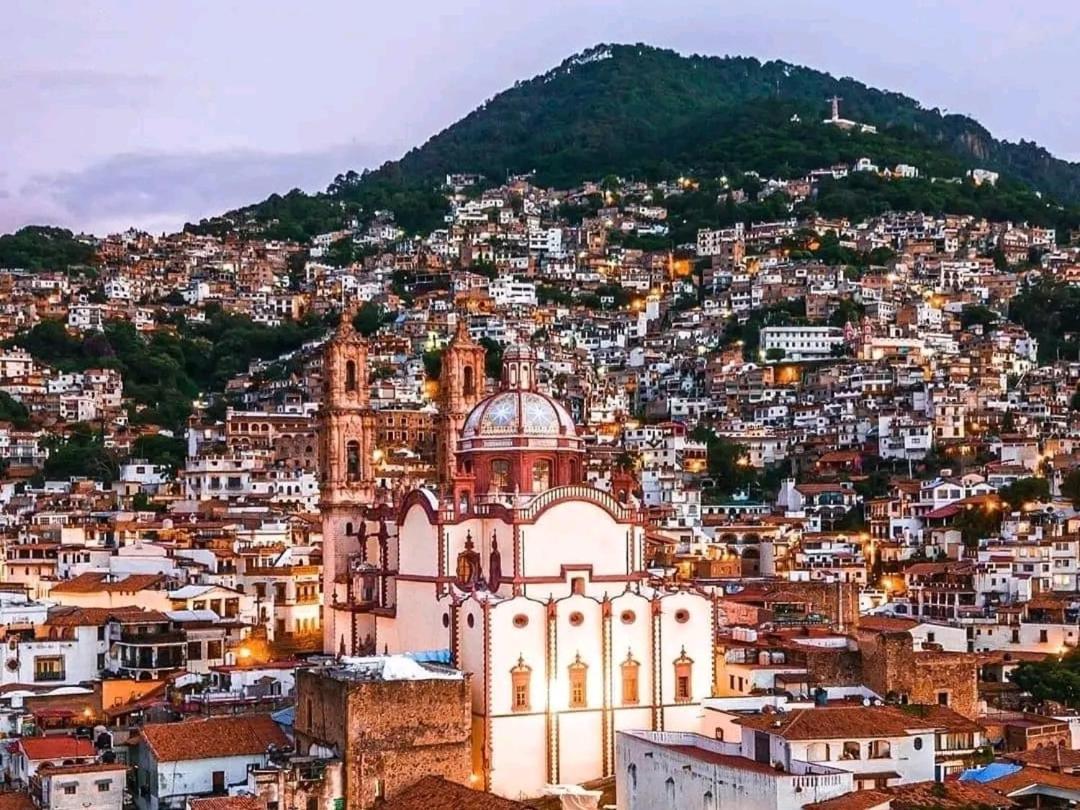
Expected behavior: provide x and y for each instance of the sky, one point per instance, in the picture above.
(124, 113)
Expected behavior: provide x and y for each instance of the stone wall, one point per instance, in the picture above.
(389, 733)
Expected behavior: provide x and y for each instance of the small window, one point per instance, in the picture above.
(683, 670)
(521, 682)
(880, 749)
(104, 786)
(578, 671)
(852, 750)
(350, 376)
(500, 475)
(69, 789)
(630, 671)
(352, 460)
(918, 743)
(943, 698)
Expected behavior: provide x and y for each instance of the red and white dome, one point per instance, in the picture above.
(518, 413)
(519, 439)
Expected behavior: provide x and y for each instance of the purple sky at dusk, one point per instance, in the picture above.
(126, 112)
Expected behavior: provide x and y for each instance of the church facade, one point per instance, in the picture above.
(533, 580)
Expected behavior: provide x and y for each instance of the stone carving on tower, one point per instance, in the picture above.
(461, 386)
(346, 450)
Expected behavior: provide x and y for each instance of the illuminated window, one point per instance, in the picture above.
(500, 475)
(630, 669)
(350, 376)
(541, 475)
(520, 679)
(578, 671)
(683, 670)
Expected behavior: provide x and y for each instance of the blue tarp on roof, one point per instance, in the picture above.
(988, 773)
(430, 656)
(285, 717)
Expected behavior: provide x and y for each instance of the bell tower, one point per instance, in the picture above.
(461, 387)
(346, 464)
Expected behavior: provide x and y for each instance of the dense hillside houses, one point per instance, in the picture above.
(684, 491)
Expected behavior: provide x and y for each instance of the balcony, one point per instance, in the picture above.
(49, 675)
(153, 639)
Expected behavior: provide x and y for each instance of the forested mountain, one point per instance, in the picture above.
(638, 111)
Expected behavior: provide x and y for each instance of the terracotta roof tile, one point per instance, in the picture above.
(91, 582)
(951, 794)
(229, 803)
(1052, 757)
(38, 748)
(213, 737)
(856, 800)
(16, 801)
(436, 793)
(1028, 776)
(95, 617)
(839, 722)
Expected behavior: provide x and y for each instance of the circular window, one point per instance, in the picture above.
(576, 618)
(446, 620)
(521, 620)
(471, 621)
(627, 617)
(682, 616)
(918, 743)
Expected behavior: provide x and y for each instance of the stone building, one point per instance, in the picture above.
(389, 719)
(892, 667)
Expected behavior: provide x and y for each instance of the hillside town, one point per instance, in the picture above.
(581, 499)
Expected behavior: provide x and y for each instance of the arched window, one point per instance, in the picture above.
(352, 460)
(880, 749)
(669, 788)
(541, 475)
(500, 475)
(684, 668)
(463, 504)
(630, 691)
(350, 376)
(817, 752)
(852, 750)
(707, 801)
(468, 381)
(520, 682)
(631, 775)
(578, 670)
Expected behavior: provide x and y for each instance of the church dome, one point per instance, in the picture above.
(518, 440)
(518, 413)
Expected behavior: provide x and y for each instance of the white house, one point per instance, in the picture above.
(175, 761)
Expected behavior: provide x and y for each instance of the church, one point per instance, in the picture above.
(533, 580)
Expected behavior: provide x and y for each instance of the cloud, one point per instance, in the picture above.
(162, 191)
(84, 87)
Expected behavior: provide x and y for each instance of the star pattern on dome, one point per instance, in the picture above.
(501, 414)
(540, 416)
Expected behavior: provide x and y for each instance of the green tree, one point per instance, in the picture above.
(169, 452)
(1053, 679)
(493, 357)
(1070, 487)
(369, 318)
(81, 455)
(11, 410)
(1025, 490)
